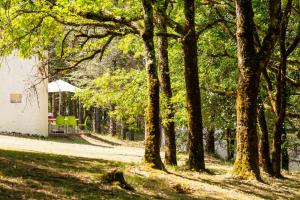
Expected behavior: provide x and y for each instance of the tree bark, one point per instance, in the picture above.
(97, 125)
(285, 155)
(210, 141)
(80, 113)
(74, 107)
(264, 147)
(280, 95)
(124, 130)
(165, 83)
(246, 163)
(112, 122)
(152, 147)
(193, 98)
(230, 144)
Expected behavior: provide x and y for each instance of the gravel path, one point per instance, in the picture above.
(97, 150)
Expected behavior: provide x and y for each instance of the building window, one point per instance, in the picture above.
(15, 98)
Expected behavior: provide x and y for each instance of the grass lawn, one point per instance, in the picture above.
(32, 175)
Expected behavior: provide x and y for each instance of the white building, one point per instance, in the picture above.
(22, 110)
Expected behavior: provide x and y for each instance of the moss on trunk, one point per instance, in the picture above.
(165, 83)
(152, 147)
(246, 163)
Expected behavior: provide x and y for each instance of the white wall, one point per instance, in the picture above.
(31, 115)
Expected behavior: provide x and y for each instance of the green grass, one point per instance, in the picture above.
(27, 175)
(31, 175)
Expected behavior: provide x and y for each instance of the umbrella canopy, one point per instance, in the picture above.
(62, 86)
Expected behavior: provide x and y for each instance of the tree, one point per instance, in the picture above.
(264, 147)
(210, 141)
(165, 83)
(250, 65)
(193, 98)
(152, 147)
(246, 163)
(281, 93)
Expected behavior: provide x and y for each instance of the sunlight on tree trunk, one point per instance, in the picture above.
(246, 163)
(152, 147)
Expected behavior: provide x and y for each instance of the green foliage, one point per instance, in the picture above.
(124, 89)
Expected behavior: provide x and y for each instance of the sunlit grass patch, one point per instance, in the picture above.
(31, 175)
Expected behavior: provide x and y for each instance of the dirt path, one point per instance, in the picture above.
(96, 150)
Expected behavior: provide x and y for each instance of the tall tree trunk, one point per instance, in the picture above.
(210, 141)
(73, 107)
(264, 148)
(124, 130)
(281, 94)
(246, 163)
(193, 98)
(280, 108)
(96, 124)
(165, 83)
(152, 147)
(284, 153)
(112, 122)
(230, 144)
(80, 113)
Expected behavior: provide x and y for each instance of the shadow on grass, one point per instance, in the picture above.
(27, 175)
(99, 138)
(63, 138)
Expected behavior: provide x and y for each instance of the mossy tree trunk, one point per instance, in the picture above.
(210, 141)
(152, 146)
(165, 83)
(264, 147)
(246, 163)
(193, 98)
